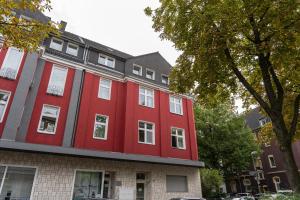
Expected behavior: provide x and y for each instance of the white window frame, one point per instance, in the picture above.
(56, 122)
(260, 175)
(146, 95)
(145, 130)
(270, 163)
(183, 137)
(99, 88)
(4, 110)
(181, 105)
(64, 85)
(276, 183)
(106, 60)
(262, 121)
(52, 47)
(150, 71)
(246, 185)
(163, 75)
(140, 72)
(101, 123)
(70, 52)
(5, 61)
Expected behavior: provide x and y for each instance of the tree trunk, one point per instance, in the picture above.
(290, 162)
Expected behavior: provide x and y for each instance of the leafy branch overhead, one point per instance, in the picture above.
(23, 32)
(246, 48)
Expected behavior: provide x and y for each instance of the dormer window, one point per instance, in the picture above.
(263, 121)
(137, 70)
(106, 60)
(56, 44)
(165, 79)
(72, 49)
(150, 74)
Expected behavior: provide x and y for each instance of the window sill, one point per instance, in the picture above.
(146, 106)
(98, 138)
(153, 144)
(46, 132)
(179, 114)
(53, 94)
(178, 148)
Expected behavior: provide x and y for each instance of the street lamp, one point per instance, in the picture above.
(253, 154)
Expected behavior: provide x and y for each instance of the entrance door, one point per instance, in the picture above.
(140, 191)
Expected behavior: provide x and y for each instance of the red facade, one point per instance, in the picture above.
(123, 110)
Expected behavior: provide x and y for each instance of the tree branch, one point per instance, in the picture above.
(295, 116)
(246, 84)
(280, 91)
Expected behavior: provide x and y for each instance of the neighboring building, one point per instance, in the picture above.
(80, 120)
(270, 166)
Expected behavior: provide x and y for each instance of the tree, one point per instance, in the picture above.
(248, 48)
(225, 142)
(211, 180)
(24, 33)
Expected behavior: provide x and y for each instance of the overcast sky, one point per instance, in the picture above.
(118, 24)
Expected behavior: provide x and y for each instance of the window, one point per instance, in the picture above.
(178, 139)
(137, 70)
(11, 63)
(271, 161)
(72, 49)
(48, 120)
(276, 181)
(4, 98)
(104, 89)
(16, 182)
(176, 105)
(101, 127)
(150, 74)
(258, 163)
(263, 121)
(260, 175)
(146, 97)
(57, 81)
(165, 79)
(247, 184)
(105, 60)
(146, 132)
(177, 183)
(56, 44)
(88, 185)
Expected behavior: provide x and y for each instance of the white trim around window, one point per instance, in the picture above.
(98, 123)
(137, 70)
(146, 131)
(8, 93)
(56, 44)
(152, 77)
(72, 49)
(276, 181)
(175, 105)
(54, 116)
(10, 70)
(106, 60)
(175, 134)
(104, 90)
(271, 163)
(165, 79)
(57, 88)
(146, 97)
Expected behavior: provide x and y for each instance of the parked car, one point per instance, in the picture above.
(187, 198)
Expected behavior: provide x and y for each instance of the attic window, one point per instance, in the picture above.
(165, 79)
(56, 44)
(106, 60)
(137, 70)
(150, 74)
(72, 49)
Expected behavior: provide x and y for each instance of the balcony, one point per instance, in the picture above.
(55, 90)
(8, 73)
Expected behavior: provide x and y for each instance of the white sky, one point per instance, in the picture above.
(120, 24)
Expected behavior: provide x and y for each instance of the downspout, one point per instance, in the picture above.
(80, 96)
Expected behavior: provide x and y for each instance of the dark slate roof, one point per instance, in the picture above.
(149, 57)
(73, 37)
(34, 15)
(253, 117)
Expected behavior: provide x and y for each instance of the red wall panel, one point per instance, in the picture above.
(9, 85)
(33, 136)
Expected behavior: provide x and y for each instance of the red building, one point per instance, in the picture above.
(103, 121)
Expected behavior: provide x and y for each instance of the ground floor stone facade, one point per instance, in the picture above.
(55, 176)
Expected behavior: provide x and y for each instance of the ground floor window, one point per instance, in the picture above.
(177, 183)
(247, 184)
(16, 182)
(88, 185)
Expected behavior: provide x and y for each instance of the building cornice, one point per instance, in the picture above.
(69, 151)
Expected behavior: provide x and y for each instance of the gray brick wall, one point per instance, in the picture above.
(55, 175)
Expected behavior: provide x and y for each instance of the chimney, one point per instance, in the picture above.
(63, 25)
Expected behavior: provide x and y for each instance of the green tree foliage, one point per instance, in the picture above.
(224, 141)
(211, 180)
(248, 48)
(24, 33)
